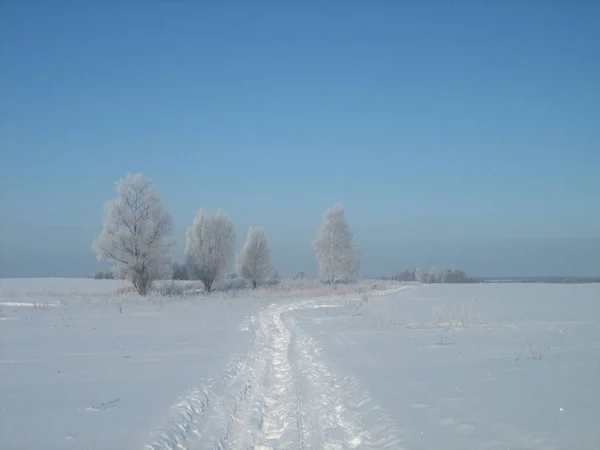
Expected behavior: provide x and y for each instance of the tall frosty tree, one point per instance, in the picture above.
(254, 261)
(210, 247)
(338, 259)
(135, 236)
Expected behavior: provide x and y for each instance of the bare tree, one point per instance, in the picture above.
(338, 259)
(210, 247)
(135, 236)
(254, 261)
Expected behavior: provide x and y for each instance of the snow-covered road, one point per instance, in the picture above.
(281, 395)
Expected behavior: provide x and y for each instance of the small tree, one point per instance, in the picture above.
(338, 259)
(135, 233)
(210, 247)
(254, 261)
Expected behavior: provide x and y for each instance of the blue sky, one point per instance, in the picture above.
(457, 134)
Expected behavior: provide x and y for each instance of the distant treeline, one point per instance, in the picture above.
(555, 279)
(180, 272)
(104, 276)
(433, 276)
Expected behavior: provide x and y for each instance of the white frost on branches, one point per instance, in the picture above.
(254, 262)
(135, 233)
(210, 247)
(338, 259)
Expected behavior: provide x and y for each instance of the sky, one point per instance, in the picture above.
(456, 134)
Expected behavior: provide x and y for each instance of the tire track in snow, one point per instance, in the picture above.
(202, 411)
(208, 413)
(340, 414)
(281, 423)
(280, 396)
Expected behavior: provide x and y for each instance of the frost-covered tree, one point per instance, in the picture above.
(434, 276)
(420, 275)
(454, 276)
(135, 238)
(338, 259)
(350, 264)
(210, 247)
(254, 261)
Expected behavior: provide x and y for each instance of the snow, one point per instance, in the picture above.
(520, 370)
(88, 364)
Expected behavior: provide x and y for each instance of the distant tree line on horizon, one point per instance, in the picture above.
(541, 279)
(433, 276)
(104, 276)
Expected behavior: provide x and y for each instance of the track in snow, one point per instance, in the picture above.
(280, 396)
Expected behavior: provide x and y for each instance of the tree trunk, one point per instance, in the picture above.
(141, 283)
(142, 290)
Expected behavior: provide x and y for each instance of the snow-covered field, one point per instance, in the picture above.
(85, 364)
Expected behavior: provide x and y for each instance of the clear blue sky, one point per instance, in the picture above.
(457, 134)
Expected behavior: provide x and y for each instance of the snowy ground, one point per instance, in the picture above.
(84, 364)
